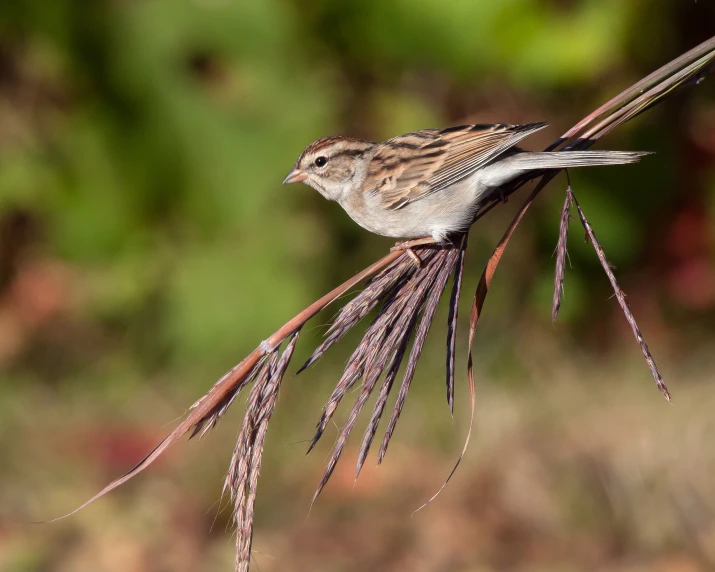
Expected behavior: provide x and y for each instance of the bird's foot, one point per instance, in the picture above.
(407, 248)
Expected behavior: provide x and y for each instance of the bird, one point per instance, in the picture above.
(428, 185)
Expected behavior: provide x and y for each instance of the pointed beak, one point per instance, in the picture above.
(295, 176)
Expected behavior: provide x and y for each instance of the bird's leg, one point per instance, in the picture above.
(415, 242)
(407, 247)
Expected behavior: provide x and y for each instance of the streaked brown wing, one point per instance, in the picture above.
(410, 167)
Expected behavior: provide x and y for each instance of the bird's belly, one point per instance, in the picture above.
(444, 212)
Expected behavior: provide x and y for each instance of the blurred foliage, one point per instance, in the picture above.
(146, 241)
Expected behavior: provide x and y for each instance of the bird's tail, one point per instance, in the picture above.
(568, 159)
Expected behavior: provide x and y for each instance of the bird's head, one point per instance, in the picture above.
(333, 166)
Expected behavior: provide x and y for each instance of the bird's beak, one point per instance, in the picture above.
(295, 176)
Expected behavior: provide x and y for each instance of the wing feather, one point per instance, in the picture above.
(445, 156)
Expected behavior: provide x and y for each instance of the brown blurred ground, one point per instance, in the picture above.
(584, 469)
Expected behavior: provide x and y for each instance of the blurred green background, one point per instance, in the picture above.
(146, 245)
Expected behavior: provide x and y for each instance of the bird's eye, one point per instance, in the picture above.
(321, 161)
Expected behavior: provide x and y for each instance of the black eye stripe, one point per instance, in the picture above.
(348, 153)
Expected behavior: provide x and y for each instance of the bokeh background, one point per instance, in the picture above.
(146, 245)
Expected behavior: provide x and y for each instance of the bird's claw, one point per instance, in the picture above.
(407, 250)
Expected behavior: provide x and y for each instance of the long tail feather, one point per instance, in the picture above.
(568, 159)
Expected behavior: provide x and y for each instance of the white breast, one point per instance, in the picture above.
(447, 211)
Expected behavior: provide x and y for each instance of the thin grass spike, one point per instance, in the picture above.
(561, 253)
(622, 301)
(393, 367)
(242, 478)
(452, 321)
(395, 318)
(394, 300)
(355, 310)
(440, 281)
(381, 400)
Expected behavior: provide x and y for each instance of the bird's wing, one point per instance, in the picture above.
(410, 167)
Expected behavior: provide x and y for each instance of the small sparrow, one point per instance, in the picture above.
(429, 184)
